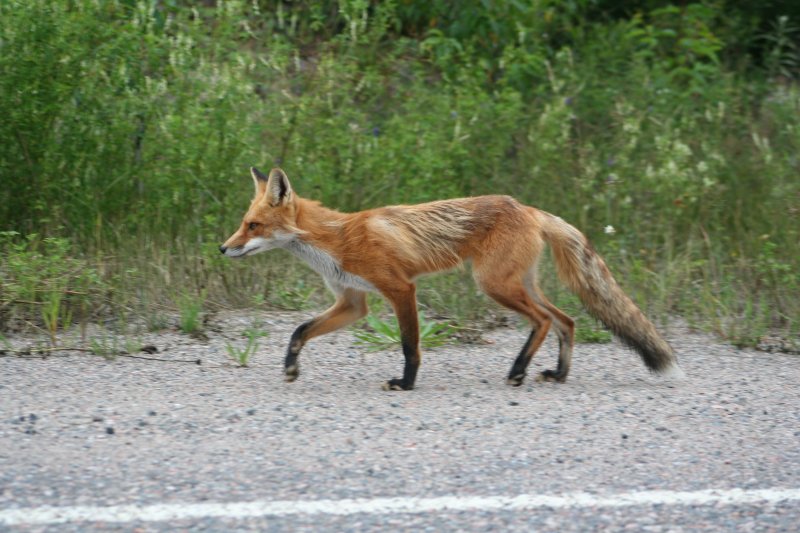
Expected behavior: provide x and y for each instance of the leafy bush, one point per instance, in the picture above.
(128, 129)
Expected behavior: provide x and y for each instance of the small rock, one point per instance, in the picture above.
(110, 430)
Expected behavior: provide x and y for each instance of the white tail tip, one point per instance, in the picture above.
(673, 372)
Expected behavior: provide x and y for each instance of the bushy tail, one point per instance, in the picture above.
(587, 275)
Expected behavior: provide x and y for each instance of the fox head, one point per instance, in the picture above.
(270, 221)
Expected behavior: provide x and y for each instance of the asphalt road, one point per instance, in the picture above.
(112, 444)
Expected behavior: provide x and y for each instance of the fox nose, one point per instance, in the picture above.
(223, 248)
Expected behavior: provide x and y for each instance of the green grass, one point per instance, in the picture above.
(191, 308)
(106, 345)
(127, 134)
(242, 356)
(382, 334)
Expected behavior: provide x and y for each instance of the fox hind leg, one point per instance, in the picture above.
(519, 369)
(514, 296)
(565, 329)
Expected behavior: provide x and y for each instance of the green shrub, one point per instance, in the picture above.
(128, 129)
(43, 283)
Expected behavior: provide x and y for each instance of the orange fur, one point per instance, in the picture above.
(386, 248)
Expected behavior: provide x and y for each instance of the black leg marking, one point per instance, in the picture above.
(409, 370)
(291, 367)
(518, 369)
(559, 375)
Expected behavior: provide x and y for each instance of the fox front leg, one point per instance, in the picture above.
(351, 305)
(290, 367)
(405, 307)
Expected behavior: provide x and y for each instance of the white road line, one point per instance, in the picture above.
(184, 511)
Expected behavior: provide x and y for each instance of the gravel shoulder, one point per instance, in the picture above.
(76, 429)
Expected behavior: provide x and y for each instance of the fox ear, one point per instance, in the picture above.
(279, 191)
(260, 181)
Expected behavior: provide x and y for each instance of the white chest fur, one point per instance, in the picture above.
(327, 267)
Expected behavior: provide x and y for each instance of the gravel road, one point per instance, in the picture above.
(78, 430)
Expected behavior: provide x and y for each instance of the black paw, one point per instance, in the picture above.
(551, 375)
(515, 380)
(291, 372)
(396, 384)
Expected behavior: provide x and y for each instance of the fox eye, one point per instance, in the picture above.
(252, 226)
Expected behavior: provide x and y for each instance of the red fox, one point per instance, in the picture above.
(385, 249)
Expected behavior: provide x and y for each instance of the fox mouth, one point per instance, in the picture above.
(239, 253)
(244, 251)
(251, 247)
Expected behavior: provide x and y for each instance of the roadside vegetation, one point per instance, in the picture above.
(669, 133)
